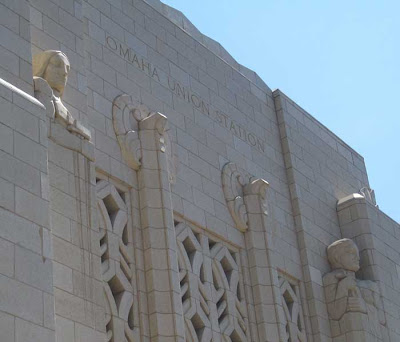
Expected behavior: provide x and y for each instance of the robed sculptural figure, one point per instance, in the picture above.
(50, 71)
(353, 303)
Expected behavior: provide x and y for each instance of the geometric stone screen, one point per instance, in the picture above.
(211, 288)
(117, 263)
(293, 315)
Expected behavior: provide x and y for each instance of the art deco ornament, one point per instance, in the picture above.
(369, 195)
(127, 114)
(50, 71)
(237, 184)
(212, 291)
(352, 301)
(129, 118)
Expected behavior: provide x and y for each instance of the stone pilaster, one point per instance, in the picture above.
(264, 276)
(246, 199)
(355, 224)
(162, 274)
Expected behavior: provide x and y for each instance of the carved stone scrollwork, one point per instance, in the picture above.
(131, 117)
(233, 181)
(237, 184)
(369, 195)
(126, 116)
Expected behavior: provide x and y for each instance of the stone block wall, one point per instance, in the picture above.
(386, 257)
(15, 44)
(59, 25)
(376, 234)
(26, 273)
(190, 111)
(321, 169)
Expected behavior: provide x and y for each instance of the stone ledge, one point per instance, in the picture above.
(14, 92)
(350, 200)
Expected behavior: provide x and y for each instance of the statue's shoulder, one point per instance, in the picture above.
(333, 277)
(44, 94)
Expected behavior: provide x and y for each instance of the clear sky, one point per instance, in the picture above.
(339, 60)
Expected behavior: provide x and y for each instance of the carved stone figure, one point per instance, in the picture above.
(354, 303)
(50, 71)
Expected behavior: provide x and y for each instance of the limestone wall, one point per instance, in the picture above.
(321, 169)
(200, 205)
(26, 282)
(386, 259)
(15, 46)
(377, 237)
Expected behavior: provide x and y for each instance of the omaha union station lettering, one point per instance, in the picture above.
(185, 93)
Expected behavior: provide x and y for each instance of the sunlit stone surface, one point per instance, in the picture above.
(153, 189)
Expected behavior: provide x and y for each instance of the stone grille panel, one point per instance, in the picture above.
(293, 315)
(117, 263)
(211, 288)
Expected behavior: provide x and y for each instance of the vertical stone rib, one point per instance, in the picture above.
(265, 278)
(162, 274)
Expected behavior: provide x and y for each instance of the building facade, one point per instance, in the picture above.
(153, 189)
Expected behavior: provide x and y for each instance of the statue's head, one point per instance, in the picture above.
(54, 67)
(343, 254)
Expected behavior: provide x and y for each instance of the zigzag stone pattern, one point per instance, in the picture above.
(211, 288)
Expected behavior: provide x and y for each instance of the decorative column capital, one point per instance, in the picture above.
(130, 117)
(126, 116)
(258, 187)
(237, 184)
(159, 123)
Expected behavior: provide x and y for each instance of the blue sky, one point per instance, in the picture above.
(339, 60)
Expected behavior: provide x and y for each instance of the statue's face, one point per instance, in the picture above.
(350, 260)
(56, 73)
